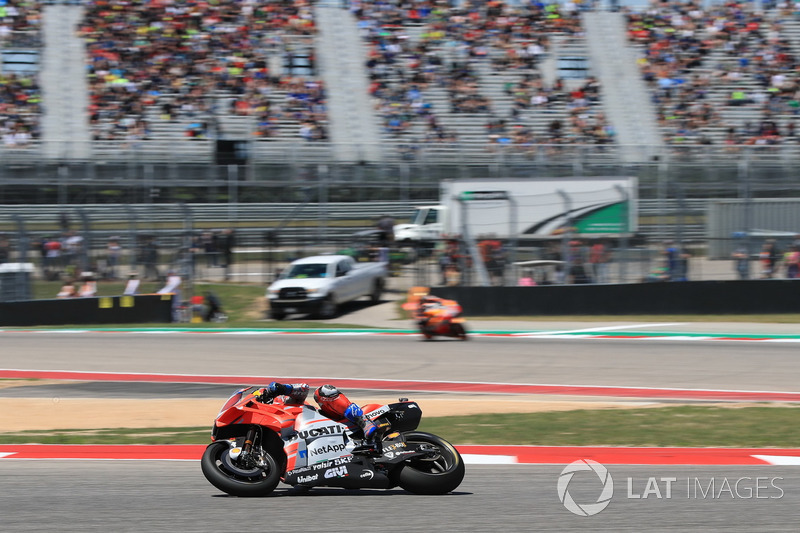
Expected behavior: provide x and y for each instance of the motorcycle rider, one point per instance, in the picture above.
(426, 304)
(333, 404)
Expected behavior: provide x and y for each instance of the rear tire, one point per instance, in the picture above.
(277, 315)
(377, 290)
(438, 474)
(238, 480)
(460, 332)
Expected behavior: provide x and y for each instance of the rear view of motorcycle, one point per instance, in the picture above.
(435, 317)
(259, 442)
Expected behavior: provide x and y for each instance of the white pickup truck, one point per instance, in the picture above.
(321, 283)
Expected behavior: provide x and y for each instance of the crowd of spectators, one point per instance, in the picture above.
(192, 61)
(20, 21)
(454, 41)
(20, 109)
(756, 69)
(20, 97)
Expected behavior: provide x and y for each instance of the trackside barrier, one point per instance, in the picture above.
(155, 308)
(688, 297)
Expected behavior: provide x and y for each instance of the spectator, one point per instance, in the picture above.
(113, 255)
(67, 290)
(599, 258)
(791, 259)
(768, 257)
(227, 243)
(385, 225)
(149, 258)
(741, 261)
(89, 286)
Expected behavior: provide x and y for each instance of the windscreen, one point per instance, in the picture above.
(236, 397)
(307, 270)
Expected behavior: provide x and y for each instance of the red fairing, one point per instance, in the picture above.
(250, 411)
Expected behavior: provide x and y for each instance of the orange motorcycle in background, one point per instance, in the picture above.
(435, 317)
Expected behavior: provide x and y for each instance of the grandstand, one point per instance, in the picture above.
(377, 83)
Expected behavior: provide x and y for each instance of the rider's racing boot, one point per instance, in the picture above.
(370, 446)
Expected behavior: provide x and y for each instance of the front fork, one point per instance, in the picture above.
(244, 456)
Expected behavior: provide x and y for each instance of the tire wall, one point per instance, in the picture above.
(689, 297)
(156, 308)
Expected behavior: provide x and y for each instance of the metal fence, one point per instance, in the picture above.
(252, 242)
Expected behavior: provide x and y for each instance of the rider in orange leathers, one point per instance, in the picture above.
(427, 304)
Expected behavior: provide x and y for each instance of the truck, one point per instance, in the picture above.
(517, 208)
(320, 284)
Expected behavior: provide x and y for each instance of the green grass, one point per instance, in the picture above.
(699, 426)
(662, 426)
(242, 302)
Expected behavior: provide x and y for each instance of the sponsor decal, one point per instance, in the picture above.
(307, 479)
(413, 406)
(377, 412)
(324, 430)
(333, 462)
(394, 446)
(367, 474)
(331, 448)
(339, 471)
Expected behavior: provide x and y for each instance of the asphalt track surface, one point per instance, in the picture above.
(168, 496)
(735, 365)
(173, 496)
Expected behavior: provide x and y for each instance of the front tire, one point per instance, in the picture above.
(328, 308)
(439, 473)
(236, 479)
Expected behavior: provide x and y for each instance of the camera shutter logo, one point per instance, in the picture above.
(585, 509)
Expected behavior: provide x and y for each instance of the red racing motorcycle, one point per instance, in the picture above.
(259, 442)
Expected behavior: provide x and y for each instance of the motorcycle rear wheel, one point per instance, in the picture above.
(238, 480)
(439, 473)
(460, 332)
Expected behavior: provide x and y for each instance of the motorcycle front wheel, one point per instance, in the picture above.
(236, 478)
(439, 472)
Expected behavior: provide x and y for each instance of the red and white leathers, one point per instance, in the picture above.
(332, 403)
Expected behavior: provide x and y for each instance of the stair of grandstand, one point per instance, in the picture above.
(626, 98)
(65, 130)
(341, 55)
